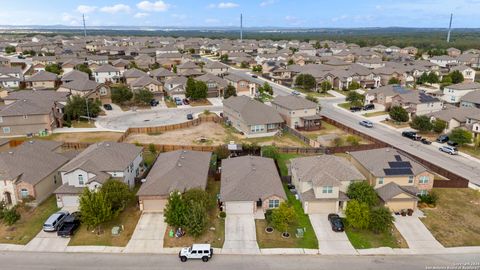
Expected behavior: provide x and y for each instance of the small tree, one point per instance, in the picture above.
(121, 94)
(190, 88)
(290, 62)
(358, 214)
(10, 216)
(175, 211)
(432, 78)
(338, 141)
(200, 197)
(457, 77)
(244, 64)
(224, 58)
(201, 90)
(305, 81)
(10, 49)
(266, 88)
(222, 152)
(325, 86)
(354, 85)
(362, 192)
(399, 114)
(439, 125)
(196, 222)
(355, 99)
(393, 80)
(84, 68)
(143, 96)
(421, 123)
(381, 219)
(96, 209)
(270, 151)
(229, 91)
(353, 140)
(282, 217)
(118, 194)
(312, 98)
(77, 107)
(54, 68)
(174, 69)
(460, 136)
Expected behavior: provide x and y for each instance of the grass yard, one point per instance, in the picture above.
(81, 137)
(345, 105)
(313, 93)
(83, 124)
(283, 160)
(362, 239)
(455, 221)
(214, 237)
(30, 223)
(128, 219)
(470, 151)
(200, 102)
(275, 240)
(396, 124)
(373, 114)
(170, 103)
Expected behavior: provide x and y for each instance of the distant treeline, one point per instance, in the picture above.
(421, 38)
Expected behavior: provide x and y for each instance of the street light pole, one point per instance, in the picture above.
(88, 112)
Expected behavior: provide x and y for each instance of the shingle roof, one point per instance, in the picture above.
(465, 86)
(41, 76)
(177, 171)
(253, 112)
(294, 102)
(144, 81)
(31, 162)
(32, 102)
(162, 72)
(460, 114)
(134, 73)
(74, 75)
(81, 85)
(390, 190)
(250, 178)
(473, 97)
(106, 68)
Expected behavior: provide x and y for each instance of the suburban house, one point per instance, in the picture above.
(149, 83)
(322, 182)
(4, 62)
(443, 60)
(42, 80)
(467, 72)
(10, 77)
(162, 74)
(251, 117)
(29, 171)
(453, 93)
(471, 99)
(383, 95)
(176, 171)
(106, 73)
(243, 86)
(94, 166)
(175, 86)
(250, 184)
(73, 76)
(298, 113)
(398, 179)
(216, 68)
(88, 89)
(31, 112)
(455, 117)
(215, 84)
(417, 103)
(133, 74)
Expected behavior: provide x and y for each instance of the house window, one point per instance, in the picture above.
(25, 117)
(380, 181)
(257, 128)
(423, 179)
(80, 179)
(1, 119)
(6, 130)
(327, 189)
(273, 203)
(410, 179)
(423, 192)
(103, 91)
(24, 193)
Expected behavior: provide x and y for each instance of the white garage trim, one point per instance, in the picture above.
(68, 201)
(239, 207)
(320, 207)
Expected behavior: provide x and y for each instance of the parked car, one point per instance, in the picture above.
(452, 143)
(55, 221)
(411, 135)
(449, 150)
(366, 123)
(185, 101)
(369, 107)
(355, 109)
(189, 116)
(154, 102)
(254, 76)
(443, 139)
(425, 141)
(70, 225)
(107, 107)
(336, 223)
(296, 93)
(196, 251)
(178, 101)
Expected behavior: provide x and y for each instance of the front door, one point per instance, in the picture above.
(8, 198)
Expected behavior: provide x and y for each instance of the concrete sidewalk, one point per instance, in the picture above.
(148, 235)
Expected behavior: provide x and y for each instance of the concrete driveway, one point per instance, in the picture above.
(330, 242)
(148, 235)
(47, 242)
(416, 234)
(240, 234)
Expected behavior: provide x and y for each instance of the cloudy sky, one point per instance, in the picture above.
(281, 13)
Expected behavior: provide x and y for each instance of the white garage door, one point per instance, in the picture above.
(320, 207)
(70, 201)
(154, 205)
(239, 207)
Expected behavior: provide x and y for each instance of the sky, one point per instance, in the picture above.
(256, 13)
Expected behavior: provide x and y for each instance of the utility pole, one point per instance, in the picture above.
(450, 28)
(241, 27)
(84, 27)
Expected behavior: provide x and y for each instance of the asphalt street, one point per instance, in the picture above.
(74, 261)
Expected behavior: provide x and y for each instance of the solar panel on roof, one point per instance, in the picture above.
(400, 164)
(398, 171)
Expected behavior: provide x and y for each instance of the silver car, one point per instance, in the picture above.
(449, 149)
(366, 123)
(55, 221)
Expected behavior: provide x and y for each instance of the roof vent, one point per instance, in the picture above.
(107, 144)
(179, 165)
(10, 152)
(184, 151)
(182, 157)
(30, 142)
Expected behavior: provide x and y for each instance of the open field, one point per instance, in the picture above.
(455, 221)
(329, 129)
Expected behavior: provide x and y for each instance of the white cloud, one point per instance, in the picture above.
(141, 15)
(267, 3)
(86, 9)
(116, 9)
(153, 6)
(224, 5)
(70, 19)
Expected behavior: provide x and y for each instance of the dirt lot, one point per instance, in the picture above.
(89, 137)
(210, 134)
(329, 130)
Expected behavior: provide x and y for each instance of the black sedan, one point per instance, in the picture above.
(70, 225)
(336, 223)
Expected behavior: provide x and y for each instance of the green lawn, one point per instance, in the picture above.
(283, 161)
(372, 114)
(313, 93)
(345, 105)
(362, 239)
(83, 124)
(170, 103)
(470, 150)
(30, 223)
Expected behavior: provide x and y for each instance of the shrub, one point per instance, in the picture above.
(270, 151)
(223, 214)
(399, 114)
(421, 123)
(312, 98)
(362, 192)
(358, 214)
(439, 125)
(353, 140)
(338, 141)
(10, 216)
(381, 219)
(430, 198)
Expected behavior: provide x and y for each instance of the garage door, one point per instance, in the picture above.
(70, 201)
(154, 205)
(239, 207)
(320, 207)
(399, 205)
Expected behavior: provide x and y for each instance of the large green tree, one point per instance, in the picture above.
(354, 85)
(266, 88)
(381, 219)
(143, 96)
(175, 212)
(457, 77)
(355, 99)
(96, 209)
(357, 214)
(399, 114)
(118, 194)
(121, 94)
(229, 91)
(77, 107)
(421, 123)
(196, 222)
(460, 136)
(305, 81)
(84, 68)
(325, 86)
(439, 125)
(363, 192)
(282, 217)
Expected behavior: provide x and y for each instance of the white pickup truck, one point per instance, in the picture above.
(196, 251)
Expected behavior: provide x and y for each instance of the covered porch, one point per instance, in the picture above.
(311, 123)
